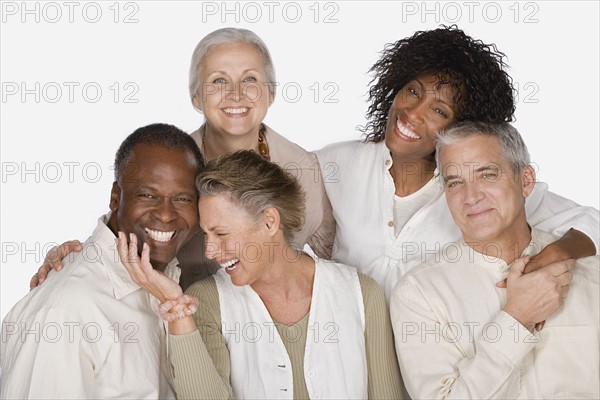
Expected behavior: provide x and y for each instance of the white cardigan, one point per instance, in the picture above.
(335, 364)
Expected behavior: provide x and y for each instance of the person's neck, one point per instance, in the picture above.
(508, 248)
(215, 143)
(410, 175)
(286, 278)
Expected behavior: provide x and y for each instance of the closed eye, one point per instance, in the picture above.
(452, 184)
(442, 113)
(183, 200)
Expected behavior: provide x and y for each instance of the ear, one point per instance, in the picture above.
(528, 180)
(197, 103)
(271, 220)
(115, 196)
(271, 94)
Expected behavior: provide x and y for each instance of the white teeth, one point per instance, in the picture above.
(405, 130)
(159, 236)
(235, 110)
(230, 263)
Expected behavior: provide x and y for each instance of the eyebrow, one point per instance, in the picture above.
(225, 73)
(437, 98)
(155, 189)
(486, 168)
(450, 177)
(450, 105)
(480, 169)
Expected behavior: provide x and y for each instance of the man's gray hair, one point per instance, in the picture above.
(226, 36)
(512, 146)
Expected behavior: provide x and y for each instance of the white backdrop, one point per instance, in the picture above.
(77, 77)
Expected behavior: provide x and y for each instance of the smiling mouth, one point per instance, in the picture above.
(479, 213)
(405, 130)
(231, 264)
(235, 111)
(159, 236)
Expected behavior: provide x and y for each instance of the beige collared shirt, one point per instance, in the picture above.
(454, 341)
(87, 332)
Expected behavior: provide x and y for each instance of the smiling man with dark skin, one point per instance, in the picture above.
(154, 200)
(90, 331)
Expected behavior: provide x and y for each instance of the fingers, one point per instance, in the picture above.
(34, 282)
(57, 254)
(560, 267)
(564, 279)
(145, 265)
(540, 325)
(127, 251)
(140, 269)
(517, 267)
(43, 271)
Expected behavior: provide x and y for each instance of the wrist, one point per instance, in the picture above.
(521, 319)
(180, 308)
(182, 326)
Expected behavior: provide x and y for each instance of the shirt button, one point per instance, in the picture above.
(387, 162)
(311, 374)
(391, 223)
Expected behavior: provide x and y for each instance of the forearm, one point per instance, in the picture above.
(200, 357)
(576, 244)
(572, 245)
(321, 241)
(382, 364)
(555, 214)
(195, 374)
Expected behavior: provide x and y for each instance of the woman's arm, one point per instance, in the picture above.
(195, 374)
(201, 358)
(321, 241)
(383, 371)
(572, 245)
(578, 226)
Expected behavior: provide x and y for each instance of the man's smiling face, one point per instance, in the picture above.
(156, 199)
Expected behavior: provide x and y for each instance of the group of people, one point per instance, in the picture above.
(197, 283)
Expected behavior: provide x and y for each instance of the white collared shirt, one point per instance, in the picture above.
(88, 332)
(361, 191)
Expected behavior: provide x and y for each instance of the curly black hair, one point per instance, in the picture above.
(474, 70)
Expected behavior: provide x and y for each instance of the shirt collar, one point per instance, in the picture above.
(497, 263)
(386, 161)
(103, 240)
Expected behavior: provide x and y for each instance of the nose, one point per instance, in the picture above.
(233, 91)
(165, 211)
(211, 249)
(472, 193)
(416, 113)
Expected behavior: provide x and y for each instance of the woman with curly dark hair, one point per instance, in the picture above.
(389, 208)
